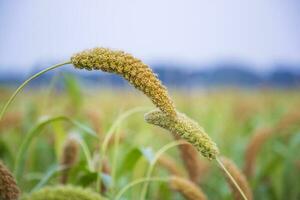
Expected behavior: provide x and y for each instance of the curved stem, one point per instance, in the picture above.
(26, 82)
(153, 162)
(136, 182)
(231, 178)
(111, 131)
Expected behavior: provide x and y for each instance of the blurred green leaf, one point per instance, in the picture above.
(129, 161)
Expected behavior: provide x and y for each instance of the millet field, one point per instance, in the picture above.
(77, 142)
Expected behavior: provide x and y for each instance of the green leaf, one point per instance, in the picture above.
(129, 161)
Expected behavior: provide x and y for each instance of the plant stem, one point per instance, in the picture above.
(111, 131)
(26, 82)
(153, 162)
(138, 181)
(231, 178)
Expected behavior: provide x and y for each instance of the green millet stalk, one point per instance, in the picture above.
(132, 69)
(63, 193)
(8, 187)
(187, 129)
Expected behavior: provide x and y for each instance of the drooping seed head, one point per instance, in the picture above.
(187, 188)
(187, 129)
(63, 193)
(131, 68)
(8, 187)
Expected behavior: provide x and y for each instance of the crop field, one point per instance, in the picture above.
(96, 141)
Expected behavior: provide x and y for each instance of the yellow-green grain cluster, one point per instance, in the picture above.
(8, 187)
(131, 68)
(187, 129)
(63, 193)
(142, 78)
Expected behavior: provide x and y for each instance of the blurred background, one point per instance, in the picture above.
(192, 43)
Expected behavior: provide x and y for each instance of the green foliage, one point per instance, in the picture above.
(37, 144)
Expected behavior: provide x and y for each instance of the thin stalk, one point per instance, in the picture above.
(111, 131)
(138, 181)
(87, 154)
(153, 162)
(231, 178)
(25, 83)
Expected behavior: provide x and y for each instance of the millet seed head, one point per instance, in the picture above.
(63, 193)
(132, 69)
(8, 187)
(187, 129)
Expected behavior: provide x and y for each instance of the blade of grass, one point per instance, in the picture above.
(86, 153)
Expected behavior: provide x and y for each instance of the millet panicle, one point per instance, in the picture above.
(187, 129)
(8, 186)
(63, 193)
(132, 69)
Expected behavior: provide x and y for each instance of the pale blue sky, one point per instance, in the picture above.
(198, 32)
